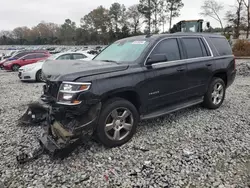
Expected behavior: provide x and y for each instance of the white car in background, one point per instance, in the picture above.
(33, 72)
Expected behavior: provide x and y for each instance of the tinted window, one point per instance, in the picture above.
(193, 47)
(31, 56)
(20, 54)
(79, 56)
(64, 57)
(222, 45)
(40, 55)
(168, 47)
(203, 48)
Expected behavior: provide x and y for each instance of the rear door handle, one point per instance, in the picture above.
(209, 64)
(181, 69)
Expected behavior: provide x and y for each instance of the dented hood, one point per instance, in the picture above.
(68, 70)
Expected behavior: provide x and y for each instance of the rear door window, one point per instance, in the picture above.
(168, 47)
(40, 55)
(79, 56)
(205, 52)
(193, 48)
(30, 56)
(20, 55)
(64, 57)
(222, 45)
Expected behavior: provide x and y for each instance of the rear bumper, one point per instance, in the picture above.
(231, 77)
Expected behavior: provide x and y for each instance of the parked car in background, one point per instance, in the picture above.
(14, 65)
(33, 72)
(7, 55)
(20, 54)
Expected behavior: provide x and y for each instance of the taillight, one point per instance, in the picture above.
(234, 64)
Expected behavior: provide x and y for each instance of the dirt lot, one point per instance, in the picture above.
(194, 147)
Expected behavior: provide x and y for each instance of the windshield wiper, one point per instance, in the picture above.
(110, 61)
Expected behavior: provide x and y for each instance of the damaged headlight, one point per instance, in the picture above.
(68, 90)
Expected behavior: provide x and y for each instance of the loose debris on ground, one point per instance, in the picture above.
(244, 68)
(194, 147)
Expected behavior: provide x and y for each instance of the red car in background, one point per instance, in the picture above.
(14, 65)
(20, 54)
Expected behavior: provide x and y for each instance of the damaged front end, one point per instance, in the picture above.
(65, 126)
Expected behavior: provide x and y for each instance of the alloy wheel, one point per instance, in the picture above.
(217, 94)
(119, 124)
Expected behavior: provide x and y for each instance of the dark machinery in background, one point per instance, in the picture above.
(189, 26)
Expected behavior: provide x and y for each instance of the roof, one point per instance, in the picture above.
(55, 56)
(157, 36)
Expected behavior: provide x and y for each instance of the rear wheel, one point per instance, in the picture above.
(215, 95)
(15, 67)
(39, 76)
(117, 123)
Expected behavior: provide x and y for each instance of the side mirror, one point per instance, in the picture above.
(208, 25)
(156, 59)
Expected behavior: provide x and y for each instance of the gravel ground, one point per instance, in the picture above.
(194, 147)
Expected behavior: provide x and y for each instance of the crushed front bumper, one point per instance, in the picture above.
(65, 127)
(74, 118)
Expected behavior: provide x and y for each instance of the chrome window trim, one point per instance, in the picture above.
(181, 60)
(187, 61)
(211, 52)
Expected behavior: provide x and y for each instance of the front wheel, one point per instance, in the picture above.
(117, 123)
(15, 67)
(39, 76)
(215, 95)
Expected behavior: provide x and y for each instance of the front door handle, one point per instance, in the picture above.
(209, 64)
(181, 69)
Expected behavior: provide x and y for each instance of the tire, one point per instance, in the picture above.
(39, 76)
(214, 98)
(15, 67)
(111, 114)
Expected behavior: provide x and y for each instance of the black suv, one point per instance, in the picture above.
(134, 79)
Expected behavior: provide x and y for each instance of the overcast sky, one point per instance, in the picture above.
(14, 13)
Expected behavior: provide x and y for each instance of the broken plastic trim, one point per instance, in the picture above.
(35, 114)
(58, 141)
(49, 146)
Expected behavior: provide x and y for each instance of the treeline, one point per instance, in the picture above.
(101, 25)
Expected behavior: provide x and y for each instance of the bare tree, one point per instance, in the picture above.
(212, 8)
(235, 18)
(248, 16)
(238, 20)
(174, 7)
(134, 17)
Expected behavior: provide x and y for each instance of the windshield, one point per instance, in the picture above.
(125, 51)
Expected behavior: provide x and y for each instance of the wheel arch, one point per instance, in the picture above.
(125, 93)
(15, 64)
(221, 74)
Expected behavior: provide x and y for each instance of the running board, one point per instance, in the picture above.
(172, 108)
